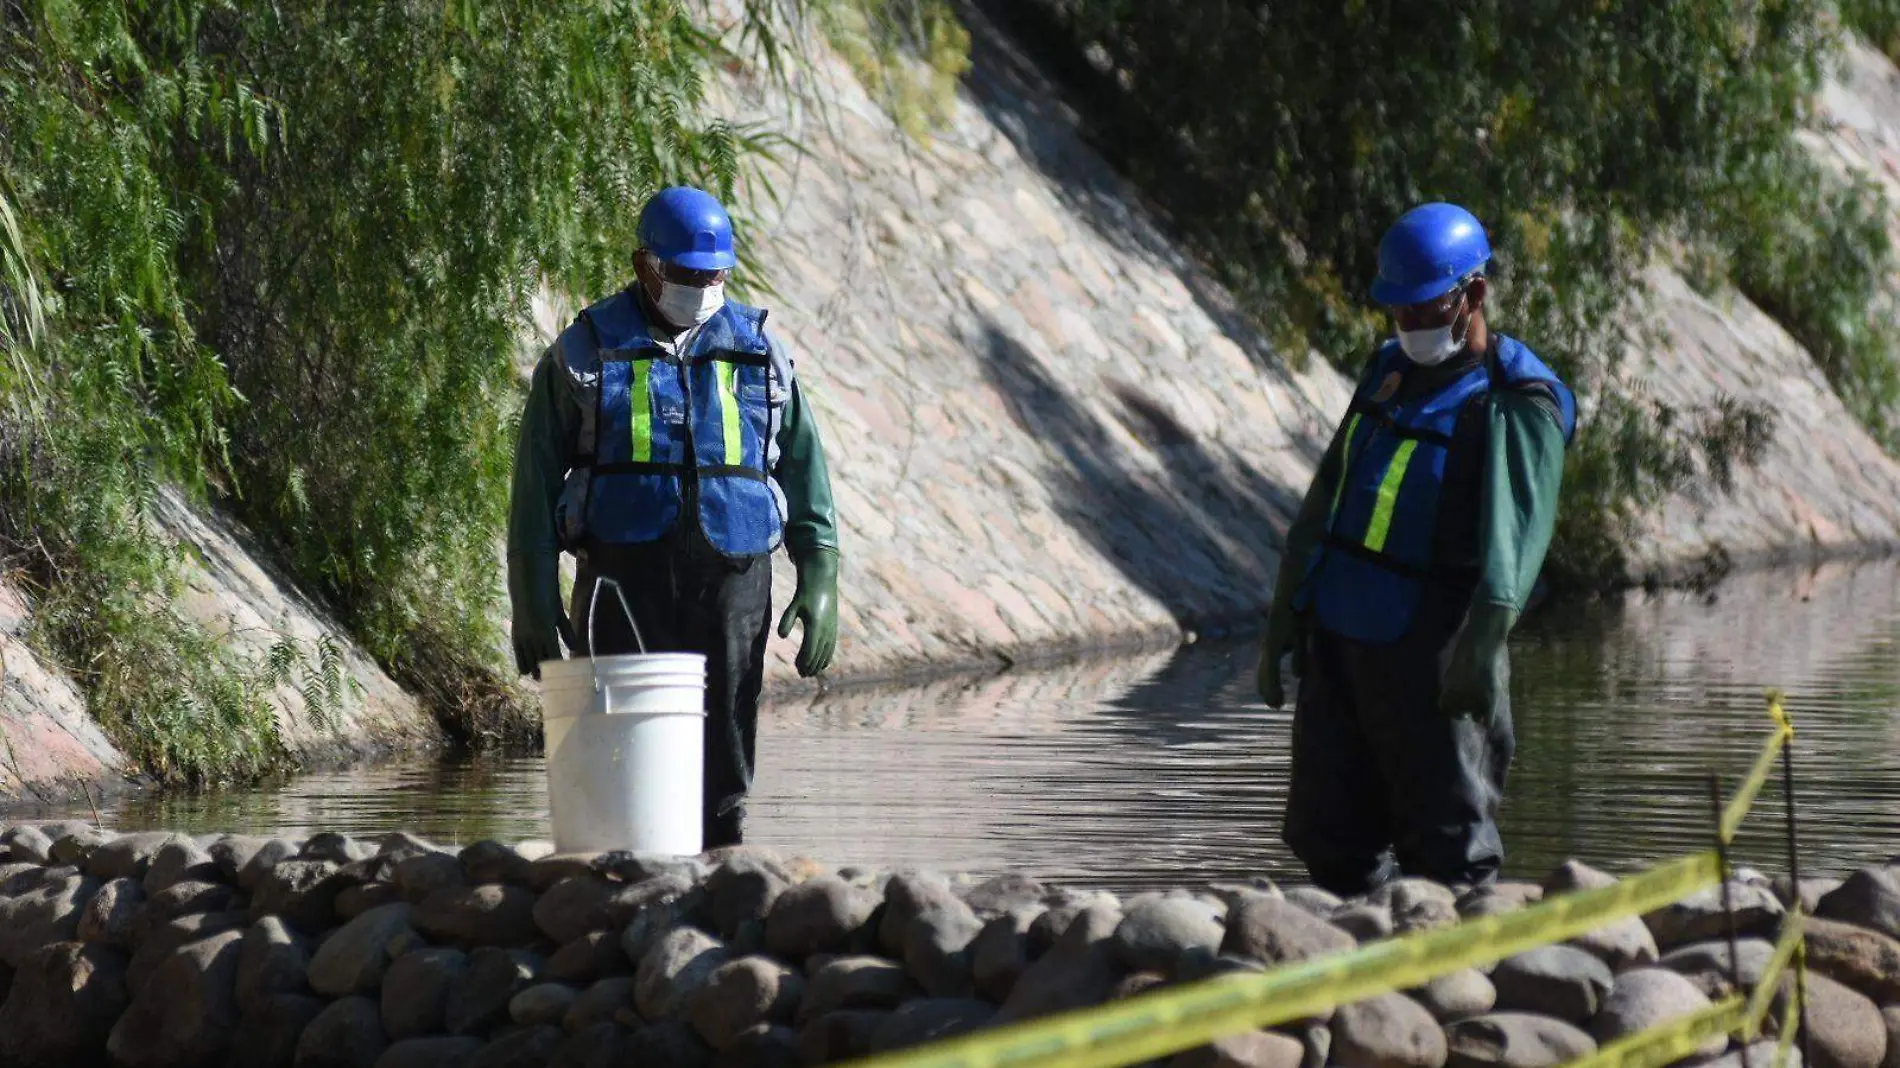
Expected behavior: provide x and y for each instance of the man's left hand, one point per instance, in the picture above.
(816, 605)
(1472, 680)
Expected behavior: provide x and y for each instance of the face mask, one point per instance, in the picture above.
(690, 305)
(1431, 347)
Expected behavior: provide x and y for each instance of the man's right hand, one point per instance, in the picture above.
(1282, 637)
(534, 591)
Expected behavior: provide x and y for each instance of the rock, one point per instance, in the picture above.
(179, 862)
(1455, 996)
(682, 961)
(439, 1051)
(346, 1034)
(937, 953)
(1399, 895)
(74, 847)
(819, 916)
(187, 1012)
(1643, 998)
(181, 899)
(1624, 944)
(492, 862)
(65, 997)
(598, 1046)
(1079, 970)
(741, 995)
(1847, 1030)
(1425, 915)
(479, 995)
(545, 872)
(1863, 959)
(354, 959)
(594, 903)
(1389, 1031)
(906, 895)
(272, 961)
(666, 907)
(40, 906)
(530, 1047)
(597, 1004)
(1000, 953)
(415, 994)
(338, 849)
(1198, 964)
(1514, 1040)
(1279, 932)
(634, 868)
(109, 918)
(419, 876)
(28, 843)
(740, 890)
(1060, 909)
(257, 869)
(357, 900)
(1157, 929)
(1574, 875)
(489, 914)
(398, 846)
(1364, 922)
(1002, 894)
(1699, 916)
(856, 983)
(1313, 900)
(231, 852)
(1706, 964)
(126, 856)
(169, 939)
(268, 1033)
(1248, 1049)
(1811, 892)
(1890, 1018)
(594, 955)
(928, 1020)
(669, 1044)
(839, 1036)
(1559, 981)
(1136, 984)
(1869, 898)
(1760, 1055)
(302, 892)
(761, 1047)
(542, 1005)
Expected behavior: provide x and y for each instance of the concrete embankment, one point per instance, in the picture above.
(161, 951)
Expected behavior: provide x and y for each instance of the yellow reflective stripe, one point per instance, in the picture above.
(729, 413)
(640, 404)
(1345, 462)
(1389, 496)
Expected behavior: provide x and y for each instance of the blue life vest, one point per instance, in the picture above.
(1373, 565)
(662, 435)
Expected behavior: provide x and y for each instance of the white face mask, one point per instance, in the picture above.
(686, 306)
(1433, 346)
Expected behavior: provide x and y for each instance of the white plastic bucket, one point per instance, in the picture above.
(624, 742)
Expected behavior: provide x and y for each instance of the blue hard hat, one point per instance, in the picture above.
(1427, 252)
(688, 227)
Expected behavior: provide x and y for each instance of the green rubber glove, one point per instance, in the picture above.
(816, 603)
(1282, 637)
(534, 593)
(1474, 675)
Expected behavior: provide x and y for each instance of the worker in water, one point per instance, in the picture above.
(667, 445)
(1409, 562)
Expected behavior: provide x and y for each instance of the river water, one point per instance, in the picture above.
(1164, 769)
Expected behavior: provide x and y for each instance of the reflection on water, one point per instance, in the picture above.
(1162, 768)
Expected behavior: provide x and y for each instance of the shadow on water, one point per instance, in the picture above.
(1200, 536)
(1161, 769)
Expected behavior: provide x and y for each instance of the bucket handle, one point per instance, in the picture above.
(592, 603)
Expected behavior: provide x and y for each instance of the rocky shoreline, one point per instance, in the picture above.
(155, 949)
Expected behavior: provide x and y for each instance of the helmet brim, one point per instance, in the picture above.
(702, 261)
(1393, 295)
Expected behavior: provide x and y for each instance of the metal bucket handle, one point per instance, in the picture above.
(592, 603)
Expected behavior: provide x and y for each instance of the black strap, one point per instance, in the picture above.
(1359, 550)
(1384, 418)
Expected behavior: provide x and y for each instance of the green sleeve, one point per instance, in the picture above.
(1523, 476)
(549, 425)
(1303, 535)
(812, 522)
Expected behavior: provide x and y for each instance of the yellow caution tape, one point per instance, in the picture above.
(1765, 987)
(1668, 1042)
(1738, 805)
(1168, 1021)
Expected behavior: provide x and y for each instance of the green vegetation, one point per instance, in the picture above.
(279, 255)
(1876, 20)
(1591, 136)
